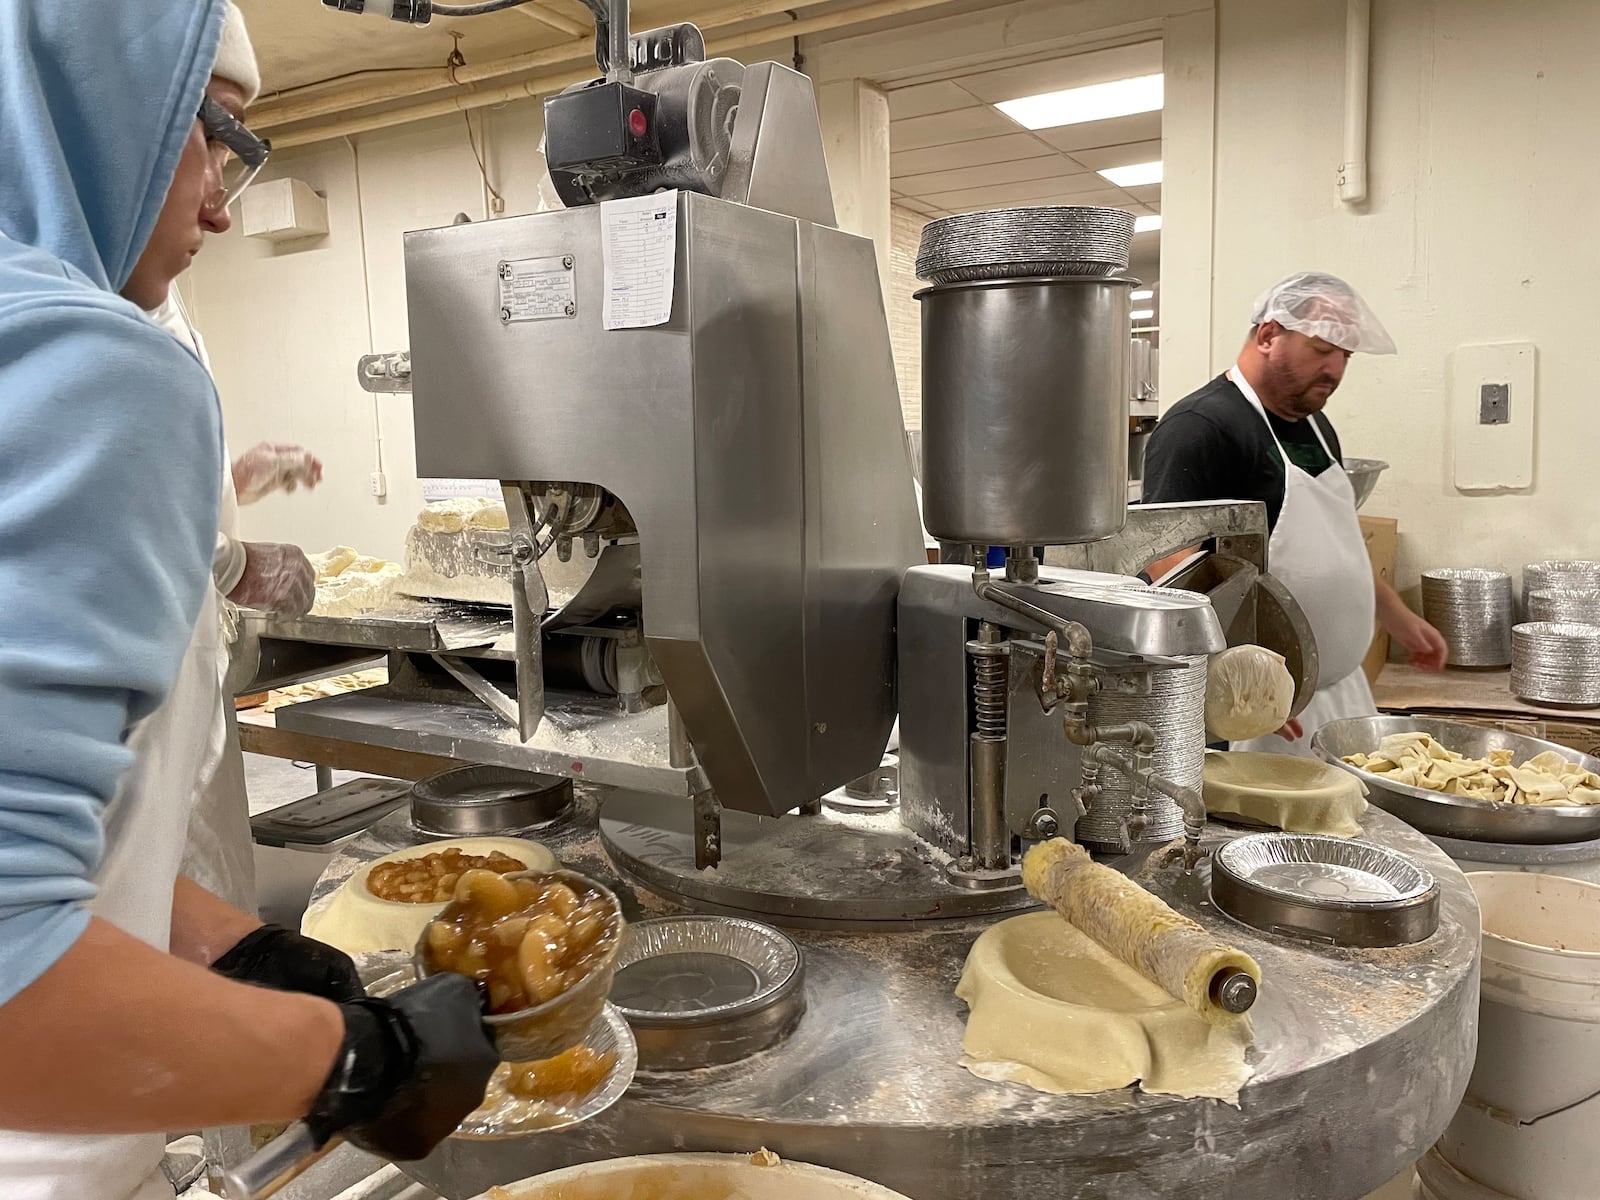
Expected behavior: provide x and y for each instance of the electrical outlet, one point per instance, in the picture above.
(1494, 404)
(380, 485)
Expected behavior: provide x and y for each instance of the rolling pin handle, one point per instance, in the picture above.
(1234, 990)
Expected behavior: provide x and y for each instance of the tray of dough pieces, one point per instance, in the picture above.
(1459, 816)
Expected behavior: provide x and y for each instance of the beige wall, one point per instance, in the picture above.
(285, 325)
(905, 317)
(1483, 160)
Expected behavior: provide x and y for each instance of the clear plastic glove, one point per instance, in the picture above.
(277, 578)
(1425, 644)
(281, 959)
(273, 467)
(411, 1067)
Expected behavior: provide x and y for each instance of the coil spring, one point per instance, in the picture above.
(989, 693)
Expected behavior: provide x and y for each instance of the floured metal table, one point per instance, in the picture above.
(1360, 1058)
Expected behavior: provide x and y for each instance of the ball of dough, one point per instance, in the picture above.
(1249, 692)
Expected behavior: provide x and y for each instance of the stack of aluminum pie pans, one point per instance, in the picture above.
(1176, 709)
(1556, 663)
(1026, 243)
(1566, 575)
(1472, 608)
(1579, 606)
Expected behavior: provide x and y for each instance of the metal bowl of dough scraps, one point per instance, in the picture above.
(1363, 475)
(1326, 889)
(1463, 817)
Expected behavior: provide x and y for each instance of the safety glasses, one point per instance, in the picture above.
(237, 155)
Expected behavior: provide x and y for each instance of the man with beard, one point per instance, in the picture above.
(1259, 432)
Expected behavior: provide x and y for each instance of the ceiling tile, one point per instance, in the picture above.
(977, 153)
(1150, 196)
(1118, 131)
(1058, 74)
(927, 98)
(1039, 191)
(1099, 158)
(940, 129)
(1052, 166)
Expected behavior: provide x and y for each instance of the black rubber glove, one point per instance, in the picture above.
(278, 958)
(411, 1067)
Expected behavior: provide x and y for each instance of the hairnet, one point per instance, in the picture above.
(1323, 306)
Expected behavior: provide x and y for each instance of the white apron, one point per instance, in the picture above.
(1317, 551)
(221, 851)
(146, 824)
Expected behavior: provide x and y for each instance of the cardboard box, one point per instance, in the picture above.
(1382, 535)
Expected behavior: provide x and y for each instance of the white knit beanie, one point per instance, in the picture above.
(236, 57)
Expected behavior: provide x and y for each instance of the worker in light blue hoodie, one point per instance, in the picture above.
(131, 1004)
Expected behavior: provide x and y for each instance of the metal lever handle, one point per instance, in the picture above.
(276, 1164)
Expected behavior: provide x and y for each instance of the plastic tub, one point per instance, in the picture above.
(1529, 1126)
(695, 1177)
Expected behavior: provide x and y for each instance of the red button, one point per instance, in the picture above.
(637, 123)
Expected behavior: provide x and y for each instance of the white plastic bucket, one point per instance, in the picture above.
(1438, 1180)
(695, 1177)
(1529, 1127)
(1539, 1022)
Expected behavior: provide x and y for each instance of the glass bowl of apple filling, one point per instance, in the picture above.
(544, 946)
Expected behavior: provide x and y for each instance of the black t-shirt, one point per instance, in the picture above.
(1213, 445)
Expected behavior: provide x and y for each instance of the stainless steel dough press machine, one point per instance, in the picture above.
(743, 445)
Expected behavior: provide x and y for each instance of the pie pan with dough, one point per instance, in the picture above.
(1056, 1011)
(504, 1115)
(1283, 791)
(357, 922)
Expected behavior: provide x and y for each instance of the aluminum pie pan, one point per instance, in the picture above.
(1556, 663)
(1578, 605)
(1062, 240)
(703, 991)
(1474, 610)
(1558, 573)
(483, 799)
(502, 1115)
(1036, 269)
(1462, 817)
(1338, 891)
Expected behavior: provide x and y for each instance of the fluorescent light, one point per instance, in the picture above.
(1146, 224)
(1142, 294)
(1097, 102)
(1142, 314)
(1137, 175)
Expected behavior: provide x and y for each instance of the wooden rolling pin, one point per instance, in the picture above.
(1213, 979)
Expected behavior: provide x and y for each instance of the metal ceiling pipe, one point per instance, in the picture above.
(313, 101)
(1357, 66)
(544, 85)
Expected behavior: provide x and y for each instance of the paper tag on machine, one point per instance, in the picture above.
(639, 239)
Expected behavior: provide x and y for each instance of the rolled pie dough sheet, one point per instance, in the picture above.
(357, 922)
(1056, 1011)
(1298, 795)
(1138, 928)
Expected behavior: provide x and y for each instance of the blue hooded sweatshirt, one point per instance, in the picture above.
(110, 437)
